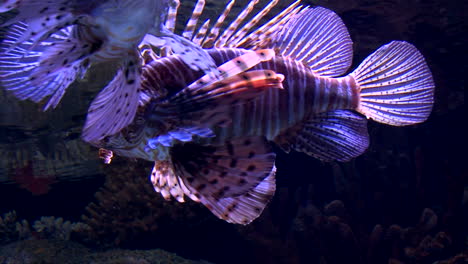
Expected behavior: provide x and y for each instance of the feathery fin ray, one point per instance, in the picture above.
(122, 92)
(337, 135)
(318, 38)
(235, 181)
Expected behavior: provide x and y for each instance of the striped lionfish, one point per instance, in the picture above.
(224, 159)
(49, 44)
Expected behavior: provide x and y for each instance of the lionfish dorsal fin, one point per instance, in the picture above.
(223, 39)
(214, 31)
(318, 38)
(171, 19)
(192, 23)
(239, 34)
(232, 36)
(201, 33)
(224, 177)
(263, 34)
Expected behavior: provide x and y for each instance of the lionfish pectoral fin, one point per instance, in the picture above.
(235, 66)
(115, 106)
(41, 18)
(34, 72)
(396, 85)
(318, 38)
(234, 180)
(336, 135)
(207, 105)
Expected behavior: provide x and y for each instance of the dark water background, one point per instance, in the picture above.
(404, 201)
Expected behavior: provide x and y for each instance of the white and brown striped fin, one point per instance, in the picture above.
(236, 66)
(221, 42)
(166, 183)
(234, 180)
(171, 19)
(338, 135)
(232, 36)
(234, 40)
(318, 38)
(214, 31)
(261, 37)
(201, 33)
(396, 85)
(192, 23)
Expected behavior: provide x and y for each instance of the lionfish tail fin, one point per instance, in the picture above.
(234, 180)
(396, 85)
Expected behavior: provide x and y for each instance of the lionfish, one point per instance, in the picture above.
(49, 44)
(224, 159)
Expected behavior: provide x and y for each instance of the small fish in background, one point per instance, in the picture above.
(49, 44)
(321, 110)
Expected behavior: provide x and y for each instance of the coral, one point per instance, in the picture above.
(56, 228)
(11, 229)
(127, 207)
(331, 234)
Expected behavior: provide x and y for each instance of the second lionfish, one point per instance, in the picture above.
(47, 45)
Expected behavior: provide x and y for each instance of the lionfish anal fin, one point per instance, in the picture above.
(338, 135)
